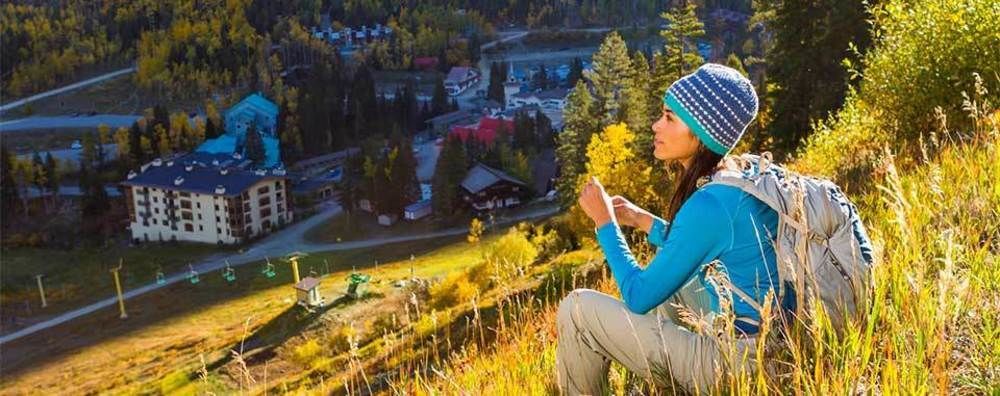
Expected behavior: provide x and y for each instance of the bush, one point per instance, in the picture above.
(508, 256)
(454, 290)
(925, 56)
(308, 353)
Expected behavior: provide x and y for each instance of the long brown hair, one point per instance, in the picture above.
(704, 163)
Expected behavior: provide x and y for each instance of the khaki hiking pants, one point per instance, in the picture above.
(595, 328)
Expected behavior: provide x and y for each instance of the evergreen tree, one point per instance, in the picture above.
(495, 89)
(543, 130)
(639, 107)
(680, 50)
(805, 62)
(449, 172)
(612, 73)
(8, 185)
(439, 100)
(575, 72)
(580, 123)
(541, 78)
(734, 62)
(254, 149)
(136, 155)
(524, 131)
(52, 175)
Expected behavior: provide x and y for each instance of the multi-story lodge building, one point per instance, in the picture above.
(202, 197)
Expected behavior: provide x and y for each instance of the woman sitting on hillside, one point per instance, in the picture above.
(704, 115)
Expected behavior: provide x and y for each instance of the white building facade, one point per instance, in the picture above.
(186, 200)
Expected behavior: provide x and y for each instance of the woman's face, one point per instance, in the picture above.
(672, 139)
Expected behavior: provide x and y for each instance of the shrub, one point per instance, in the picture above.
(509, 254)
(926, 54)
(454, 290)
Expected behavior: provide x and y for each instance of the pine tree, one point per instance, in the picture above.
(543, 130)
(575, 72)
(580, 123)
(439, 100)
(639, 108)
(680, 51)
(8, 185)
(495, 90)
(255, 146)
(805, 62)
(52, 175)
(541, 78)
(449, 172)
(612, 73)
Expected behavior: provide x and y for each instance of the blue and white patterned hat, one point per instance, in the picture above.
(716, 102)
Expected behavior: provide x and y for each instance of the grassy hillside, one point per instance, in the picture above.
(168, 333)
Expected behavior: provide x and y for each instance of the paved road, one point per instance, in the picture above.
(76, 85)
(53, 122)
(276, 245)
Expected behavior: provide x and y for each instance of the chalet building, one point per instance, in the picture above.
(207, 198)
(253, 110)
(552, 99)
(485, 188)
(461, 78)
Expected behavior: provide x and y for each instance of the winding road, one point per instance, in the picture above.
(278, 244)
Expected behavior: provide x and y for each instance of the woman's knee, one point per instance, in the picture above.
(578, 301)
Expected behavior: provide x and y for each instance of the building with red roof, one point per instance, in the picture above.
(485, 130)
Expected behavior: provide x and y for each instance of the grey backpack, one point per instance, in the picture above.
(823, 251)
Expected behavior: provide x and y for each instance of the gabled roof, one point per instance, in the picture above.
(257, 102)
(306, 284)
(458, 73)
(482, 176)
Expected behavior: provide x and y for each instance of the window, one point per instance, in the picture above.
(264, 201)
(277, 185)
(216, 207)
(263, 190)
(201, 228)
(154, 221)
(156, 210)
(247, 218)
(265, 212)
(185, 204)
(155, 199)
(199, 205)
(217, 219)
(281, 207)
(185, 195)
(188, 227)
(187, 216)
(199, 216)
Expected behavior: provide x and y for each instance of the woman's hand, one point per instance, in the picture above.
(627, 213)
(596, 203)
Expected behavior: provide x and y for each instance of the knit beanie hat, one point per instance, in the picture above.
(716, 102)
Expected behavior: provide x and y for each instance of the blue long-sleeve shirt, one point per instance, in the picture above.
(716, 222)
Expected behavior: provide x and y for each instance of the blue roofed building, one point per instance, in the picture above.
(254, 109)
